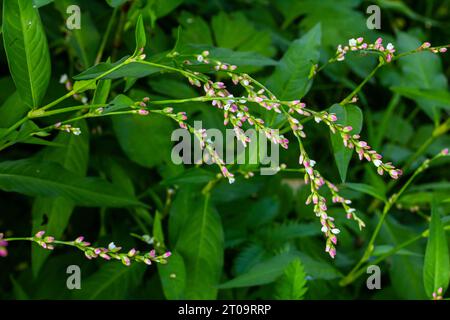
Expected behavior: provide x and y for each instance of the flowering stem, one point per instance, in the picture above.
(388, 205)
(348, 98)
(425, 234)
(65, 110)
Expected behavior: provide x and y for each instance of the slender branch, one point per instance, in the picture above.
(388, 205)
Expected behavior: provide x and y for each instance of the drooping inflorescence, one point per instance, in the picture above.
(237, 112)
(111, 252)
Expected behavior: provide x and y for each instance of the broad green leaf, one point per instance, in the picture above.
(367, 189)
(73, 157)
(113, 281)
(133, 70)
(440, 97)
(422, 71)
(179, 213)
(141, 39)
(405, 271)
(436, 269)
(41, 3)
(12, 110)
(201, 244)
(262, 273)
(26, 49)
(173, 277)
(348, 115)
(144, 139)
(292, 284)
(190, 176)
(116, 3)
(317, 269)
(235, 31)
(290, 80)
(43, 178)
(101, 92)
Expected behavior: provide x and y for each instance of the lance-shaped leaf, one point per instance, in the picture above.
(39, 178)
(348, 115)
(436, 269)
(26, 49)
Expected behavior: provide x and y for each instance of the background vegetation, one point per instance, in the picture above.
(255, 238)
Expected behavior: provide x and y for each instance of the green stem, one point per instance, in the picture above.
(361, 85)
(65, 110)
(106, 36)
(393, 251)
(388, 205)
(384, 122)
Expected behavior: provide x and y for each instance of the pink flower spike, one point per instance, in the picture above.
(426, 45)
(444, 152)
(152, 253)
(442, 50)
(167, 254)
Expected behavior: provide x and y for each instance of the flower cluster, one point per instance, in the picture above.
(427, 46)
(362, 148)
(64, 79)
(359, 45)
(44, 242)
(113, 252)
(316, 181)
(438, 295)
(236, 112)
(67, 128)
(3, 245)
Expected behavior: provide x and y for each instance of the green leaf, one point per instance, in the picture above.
(235, 31)
(290, 80)
(113, 281)
(41, 3)
(201, 243)
(173, 277)
(422, 71)
(436, 269)
(141, 39)
(73, 157)
(116, 3)
(367, 189)
(262, 273)
(132, 70)
(292, 284)
(190, 176)
(141, 136)
(43, 178)
(27, 50)
(440, 97)
(348, 115)
(12, 110)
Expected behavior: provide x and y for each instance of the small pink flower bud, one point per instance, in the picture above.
(39, 234)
